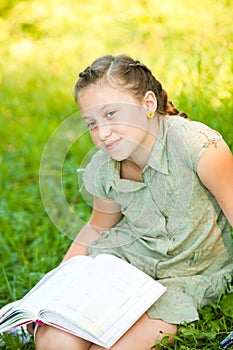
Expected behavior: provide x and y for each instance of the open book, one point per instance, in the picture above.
(97, 299)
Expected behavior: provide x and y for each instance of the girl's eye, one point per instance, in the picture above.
(91, 125)
(110, 114)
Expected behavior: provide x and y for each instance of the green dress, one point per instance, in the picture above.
(173, 229)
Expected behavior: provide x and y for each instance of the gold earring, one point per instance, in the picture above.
(150, 114)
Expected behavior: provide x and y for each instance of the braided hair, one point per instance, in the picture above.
(130, 75)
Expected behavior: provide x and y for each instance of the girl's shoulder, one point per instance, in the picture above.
(190, 138)
(98, 173)
(186, 127)
(101, 165)
(99, 158)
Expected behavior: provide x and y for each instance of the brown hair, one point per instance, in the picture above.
(130, 75)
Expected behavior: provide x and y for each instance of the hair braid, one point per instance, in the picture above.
(128, 74)
(164, 105)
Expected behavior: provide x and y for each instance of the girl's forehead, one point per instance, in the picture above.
(102, 95)
(123, 108)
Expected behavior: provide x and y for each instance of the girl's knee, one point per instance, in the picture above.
(143, 335)
(167, 330)
(50, 338)
(45, 338)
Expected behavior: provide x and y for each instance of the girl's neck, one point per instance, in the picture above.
(142, 154)
(130, 171)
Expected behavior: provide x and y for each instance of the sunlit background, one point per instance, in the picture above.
(44, 45)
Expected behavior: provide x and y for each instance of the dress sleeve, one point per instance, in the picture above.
(94, 177)
(191, 139)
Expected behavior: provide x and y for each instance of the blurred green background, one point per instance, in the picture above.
(44, 44)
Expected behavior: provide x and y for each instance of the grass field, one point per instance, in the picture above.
(44, 44)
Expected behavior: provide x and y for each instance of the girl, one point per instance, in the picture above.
(163, 194)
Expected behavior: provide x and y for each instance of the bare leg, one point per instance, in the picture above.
(50, 338)
(142, 335)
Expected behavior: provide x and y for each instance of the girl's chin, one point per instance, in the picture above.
(118, 158)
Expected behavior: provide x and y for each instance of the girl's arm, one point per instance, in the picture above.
(105, 214)
(215, 170)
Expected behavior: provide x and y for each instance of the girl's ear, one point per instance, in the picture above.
(150, 101)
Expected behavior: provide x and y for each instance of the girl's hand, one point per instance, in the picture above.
(30, 328)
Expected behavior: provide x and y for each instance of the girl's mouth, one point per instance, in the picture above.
(112, 144)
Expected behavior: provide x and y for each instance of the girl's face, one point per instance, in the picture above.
(117, 121)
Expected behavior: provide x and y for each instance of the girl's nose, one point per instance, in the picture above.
(104, 131)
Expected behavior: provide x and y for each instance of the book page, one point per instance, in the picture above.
(100, 299)
(95, 298)
(7, 309)
(53, 283)
(27, 309)
(10, 316)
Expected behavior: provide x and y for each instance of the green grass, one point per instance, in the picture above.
(44, 44)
